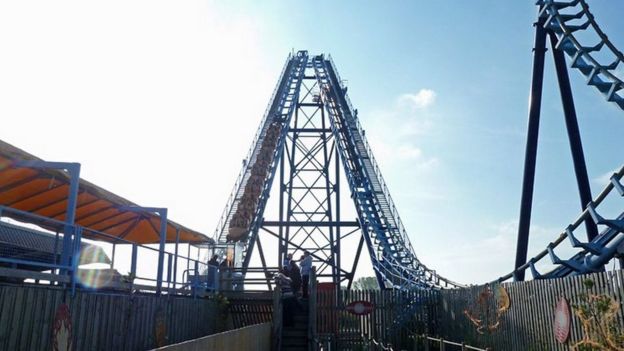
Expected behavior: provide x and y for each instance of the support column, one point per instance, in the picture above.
(574, 135)
(530, 156)
(161, 248)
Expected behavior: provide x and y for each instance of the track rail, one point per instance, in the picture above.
(393, 256)
(593, 255)
(563, 17)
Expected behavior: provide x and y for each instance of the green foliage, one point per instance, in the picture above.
(598, 317)
(366, 283)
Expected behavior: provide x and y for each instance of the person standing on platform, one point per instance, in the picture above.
(289, 300)
(286, 264)
(295, 276)
(287, 260)
(213, 261)
(306, 267)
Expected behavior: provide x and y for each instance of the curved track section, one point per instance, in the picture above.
(591, 256)
(568, 19)
(393, 257)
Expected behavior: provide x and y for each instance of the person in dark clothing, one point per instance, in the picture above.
(224, 264)
(295, 276)
(288, 299)
(213, 261)
(306, 267)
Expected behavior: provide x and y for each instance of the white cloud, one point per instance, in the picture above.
(406, 152)
(394, 128)
(605, 178)
(422, 99)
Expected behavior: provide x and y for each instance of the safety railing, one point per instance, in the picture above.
(594, 248)
(372, 344)
(225, 215)
(418, 266)
(429, 343)
(322, 342)
(92, 259)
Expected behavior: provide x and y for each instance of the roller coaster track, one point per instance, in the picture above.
(392, 254)
(593, 255)
(568, 18)
(384, 232)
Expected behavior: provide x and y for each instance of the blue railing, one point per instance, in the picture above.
(120, 264)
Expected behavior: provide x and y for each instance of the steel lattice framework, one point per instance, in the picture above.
(309, 134)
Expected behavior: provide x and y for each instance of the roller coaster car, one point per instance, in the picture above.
(237, 233)
(270, 140)
(259, 170)
(265, 157)
(253, 188)
(267, 148)
(269, 144)
(256, 180)
(263, 163)
(248, 202)
(274, 131)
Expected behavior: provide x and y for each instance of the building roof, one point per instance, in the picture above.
(32, 245)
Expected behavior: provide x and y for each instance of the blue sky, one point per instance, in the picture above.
(156, 95)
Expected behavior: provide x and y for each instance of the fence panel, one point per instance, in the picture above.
(100, 321)
(528, 323)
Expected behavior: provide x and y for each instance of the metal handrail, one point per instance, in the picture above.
(93, 235)
(393, 209)
(225, 215)
(441, 342)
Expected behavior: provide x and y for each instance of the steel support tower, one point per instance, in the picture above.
(310, 135)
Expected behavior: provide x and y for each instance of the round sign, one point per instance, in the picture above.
(62, 329)
(562, 321)
(360, 307)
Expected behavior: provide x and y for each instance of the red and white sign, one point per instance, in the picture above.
(360, 308)
(561, 326)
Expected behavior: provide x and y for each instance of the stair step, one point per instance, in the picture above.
(295, 342)
(294, 333)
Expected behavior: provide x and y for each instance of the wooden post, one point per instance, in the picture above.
(442, 346)
(463, 346)
(426, 341)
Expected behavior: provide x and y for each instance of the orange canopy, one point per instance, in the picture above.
(45, 192)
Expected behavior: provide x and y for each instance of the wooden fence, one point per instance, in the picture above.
(394, 315)
(528, 323)
(99, 321)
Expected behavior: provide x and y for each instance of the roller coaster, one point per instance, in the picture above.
(310, 126)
